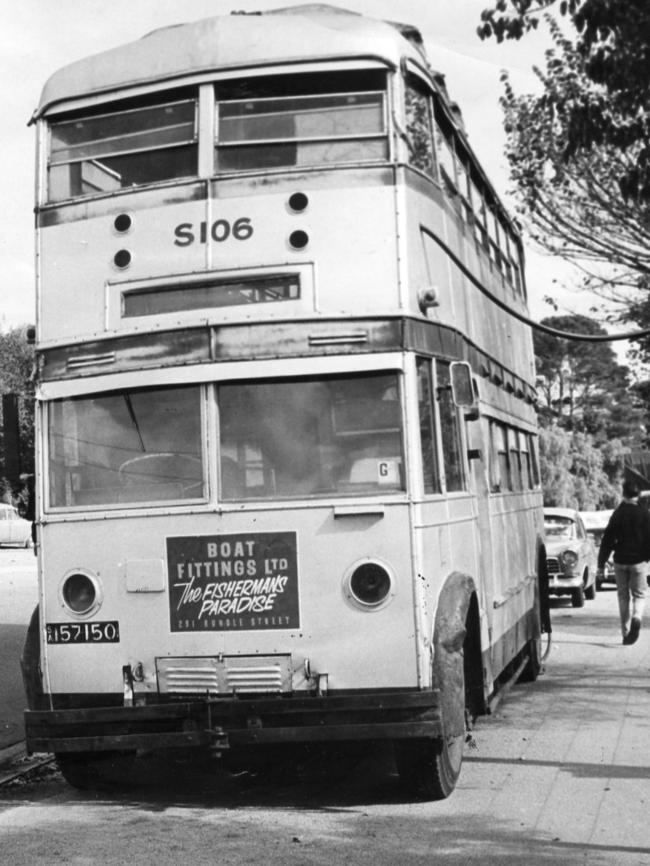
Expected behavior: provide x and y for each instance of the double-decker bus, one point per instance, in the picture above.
(287, 485)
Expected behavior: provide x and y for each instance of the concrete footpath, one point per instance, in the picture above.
(559, 776)
(564, 765)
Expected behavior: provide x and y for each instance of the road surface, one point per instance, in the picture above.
(560, 776)
(18, 597)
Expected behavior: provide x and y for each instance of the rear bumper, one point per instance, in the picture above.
(225, 722)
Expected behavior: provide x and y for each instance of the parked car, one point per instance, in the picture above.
(595, 523)
(571, 556)
(13, 528)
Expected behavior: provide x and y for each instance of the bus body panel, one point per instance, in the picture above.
(224, 239)
(431, 219)
(230, 42)
(329, 631)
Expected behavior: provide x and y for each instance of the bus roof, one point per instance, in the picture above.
(311, 32)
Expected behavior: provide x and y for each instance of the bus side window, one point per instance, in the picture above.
(427, 428)
(526, 468)
(450, 434)
(464, 190)
(446, 159)
(534, 462)
(419, 128)
(499, 458)
(478, 208)
(515, 458)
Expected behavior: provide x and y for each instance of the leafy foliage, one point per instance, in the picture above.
(576, 473)
(582, 386)
(590, 417)
(579, 157)
(554, 466)
(588, 205)
(612, 54)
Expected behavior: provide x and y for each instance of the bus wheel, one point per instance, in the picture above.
(89, 771)
(430, 768)
(533, 666)
(30, 663)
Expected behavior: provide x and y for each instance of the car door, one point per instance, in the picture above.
(15, 526)
(587, 548)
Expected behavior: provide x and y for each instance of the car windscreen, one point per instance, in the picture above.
(559, 527)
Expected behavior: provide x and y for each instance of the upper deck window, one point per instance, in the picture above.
(105, 152)
(305, 121)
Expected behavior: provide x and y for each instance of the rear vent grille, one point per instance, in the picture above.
(253, 679)
(225, 675)
(190, 680)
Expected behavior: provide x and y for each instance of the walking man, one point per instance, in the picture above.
(628, 535)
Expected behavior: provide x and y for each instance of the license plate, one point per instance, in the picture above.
(83, 632)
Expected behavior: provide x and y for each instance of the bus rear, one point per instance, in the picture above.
(258, 522)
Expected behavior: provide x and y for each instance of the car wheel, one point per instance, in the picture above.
(590, 591)
(578, 597)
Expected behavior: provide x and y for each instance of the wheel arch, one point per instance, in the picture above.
(457, 652)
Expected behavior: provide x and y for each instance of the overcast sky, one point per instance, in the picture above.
(40, 36)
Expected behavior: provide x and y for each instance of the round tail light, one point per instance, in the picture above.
(369, 584)
(79, 593)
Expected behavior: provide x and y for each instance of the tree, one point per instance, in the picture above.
(582, 386)
(576, 473)
(612, 52)
(16, 367)
(555, 466)
(579, 152)
(574, 206)
(578, 204)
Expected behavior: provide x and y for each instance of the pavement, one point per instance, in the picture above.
(565, 761)
(12, 694)
(558, 775)
(18, 597)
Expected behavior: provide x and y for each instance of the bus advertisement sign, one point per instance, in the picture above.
(233, 582)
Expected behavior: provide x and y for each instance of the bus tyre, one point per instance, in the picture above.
(430, 768)
(533, 651)
(30, 663)
(578, 596)
(95, 771)
(533, 662)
